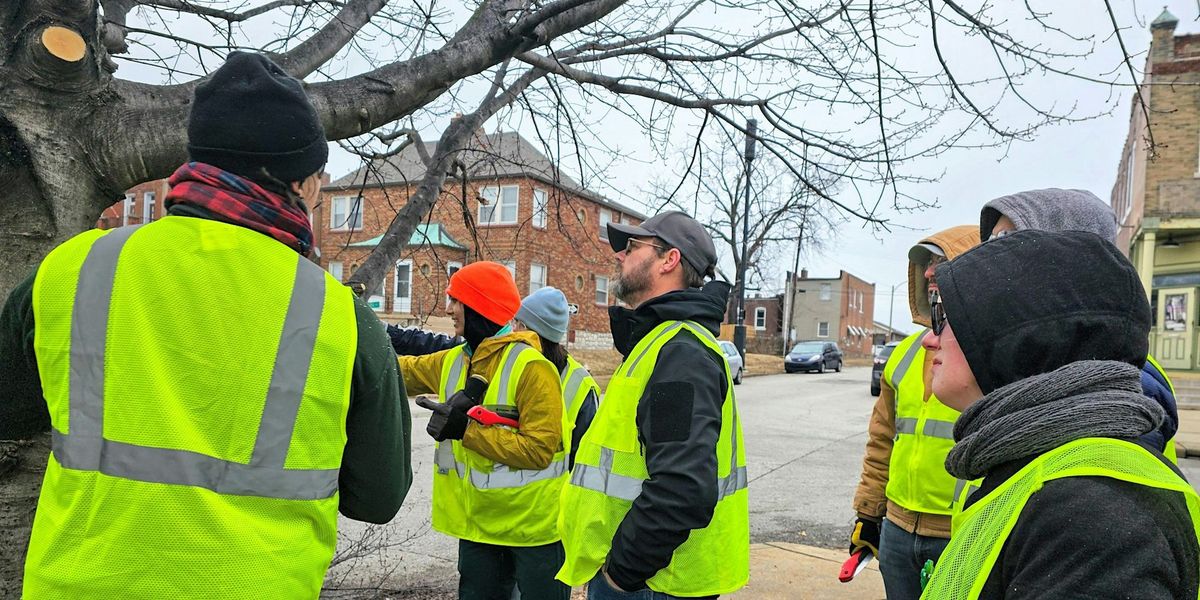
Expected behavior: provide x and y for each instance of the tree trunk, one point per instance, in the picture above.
(22, 465)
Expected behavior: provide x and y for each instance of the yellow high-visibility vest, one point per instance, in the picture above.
(917, 477)
(577, 383)
(197, 376)
(981, 530)
(477, 499)
(608, 475)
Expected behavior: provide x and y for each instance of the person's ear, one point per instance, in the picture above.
(308, 189)
(672, 260)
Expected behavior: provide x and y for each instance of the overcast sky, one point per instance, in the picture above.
(1080, 155)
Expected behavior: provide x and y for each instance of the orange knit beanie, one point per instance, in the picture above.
(488, 288)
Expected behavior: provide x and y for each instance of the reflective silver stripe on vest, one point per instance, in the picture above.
(906, 425)
(906, 361)
(504, 476)
(443, 459)
(959, 484)
(86, 449)
(506, 371)
(939, 429)
(571, 386)
(456, 369)
(633, 365)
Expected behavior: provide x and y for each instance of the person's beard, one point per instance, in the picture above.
(630, 287)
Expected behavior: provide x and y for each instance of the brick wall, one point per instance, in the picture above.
(569, 246)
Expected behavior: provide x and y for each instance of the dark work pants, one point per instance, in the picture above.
(490, 572)
(901, 556)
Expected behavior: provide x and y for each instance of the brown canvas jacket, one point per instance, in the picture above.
(870, 498)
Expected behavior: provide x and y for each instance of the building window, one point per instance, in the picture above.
(826, 292)
(579, 283)
(537, 277)
(335, 269)
(511, 265)
(540, 202)
(127, 209)
(345, 214)
(452, 268)
(425, 270)
(147, 207)
(601, 290)
(860, 301)
(853, 297)
(606, 217)
(823, 329)
(1125, 210)
(760, 318)
(499, 205)
(402, 302)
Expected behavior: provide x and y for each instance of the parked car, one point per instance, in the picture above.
(877, 364)
(813, 356)
(736, 366)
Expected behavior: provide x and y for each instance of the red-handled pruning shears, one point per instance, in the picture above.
(487, 417)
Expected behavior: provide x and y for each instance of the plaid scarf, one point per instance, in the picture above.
(204, 191)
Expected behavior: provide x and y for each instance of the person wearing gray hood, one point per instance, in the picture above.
(1054, 209)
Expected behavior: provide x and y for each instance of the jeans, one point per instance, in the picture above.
(491, 572)
(901, 557)
(598, 589)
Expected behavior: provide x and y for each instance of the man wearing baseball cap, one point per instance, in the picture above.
(657, 496)
(496, 488)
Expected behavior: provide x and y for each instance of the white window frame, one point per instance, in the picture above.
(861, 300)
(147, 206)
(400, 303)
(601, 286)
(536, 283)
(452, 267)
(826, 292)
(606, 217)
(511, 265)
(352, 210)
(336, 269)
(128, 208)
(760, 318)
(498, 199)
(853, 296)
(1131, 163)
(823, 325)
(541, 204)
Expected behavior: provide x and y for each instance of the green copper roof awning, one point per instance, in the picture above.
(431, 234)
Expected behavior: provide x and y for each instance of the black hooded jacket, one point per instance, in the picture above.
(678, 421)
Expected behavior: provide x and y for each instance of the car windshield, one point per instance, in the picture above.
(807, 348)
(729, 349)
(886, 351)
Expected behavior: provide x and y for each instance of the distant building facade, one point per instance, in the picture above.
(1157, 199)
(839, 309)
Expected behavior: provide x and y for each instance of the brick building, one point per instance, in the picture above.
(839, 309)
(142, 204)
(514, 207)
(1157, 200)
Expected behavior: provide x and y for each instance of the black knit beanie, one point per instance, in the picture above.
(1033, 301)
(254, 120)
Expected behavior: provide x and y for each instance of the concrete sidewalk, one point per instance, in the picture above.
(793, 571)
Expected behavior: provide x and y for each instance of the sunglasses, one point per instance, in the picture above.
(629, 242)
(937, 312)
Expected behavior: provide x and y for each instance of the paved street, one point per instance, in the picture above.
(804, 441)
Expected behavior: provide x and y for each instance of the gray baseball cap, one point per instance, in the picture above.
(677, 229)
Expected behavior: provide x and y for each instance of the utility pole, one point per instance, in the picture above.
(790, 308)
(739, 329)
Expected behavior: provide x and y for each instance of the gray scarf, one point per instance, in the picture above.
(1088, 398)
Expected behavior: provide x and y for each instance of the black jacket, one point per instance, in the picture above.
(678, 421)
(1095, 537)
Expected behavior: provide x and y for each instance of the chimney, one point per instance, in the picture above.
(1162, 32)
(803, 273)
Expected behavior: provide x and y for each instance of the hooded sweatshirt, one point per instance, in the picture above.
(1055, 209)
(870, 498)
(1076, 537)
(678, 423)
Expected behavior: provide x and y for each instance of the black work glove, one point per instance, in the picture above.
(461, 401)
(865, 533)
(447, 421)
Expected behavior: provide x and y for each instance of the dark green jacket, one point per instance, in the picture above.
(376, 467)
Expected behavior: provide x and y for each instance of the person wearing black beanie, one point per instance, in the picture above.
(1039, 338)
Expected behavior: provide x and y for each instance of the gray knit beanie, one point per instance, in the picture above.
(1051, 209)
(545, 312)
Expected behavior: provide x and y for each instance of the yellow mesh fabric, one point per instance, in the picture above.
(173, 542)
(161, 340)
(100, 536)
(327, 391)
(980, 531)
(713, 560)
(53, 300)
